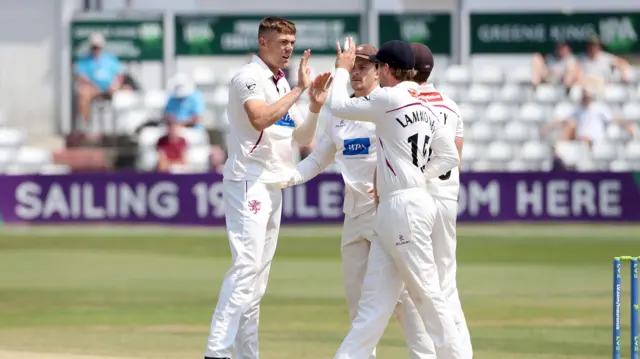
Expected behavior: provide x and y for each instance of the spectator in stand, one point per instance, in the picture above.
(558, 68)
(588, 123)
(171, 148)
(185, 106)
(99, 75)
(597, 67)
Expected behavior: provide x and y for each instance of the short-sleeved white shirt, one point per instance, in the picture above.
(267, 155)
(592, 121)
(447, 185)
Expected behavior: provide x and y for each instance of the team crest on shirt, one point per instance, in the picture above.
(254, 206)
(286, 121)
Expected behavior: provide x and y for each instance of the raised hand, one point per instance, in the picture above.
(319, 91)
(347, 58)
(304, 73)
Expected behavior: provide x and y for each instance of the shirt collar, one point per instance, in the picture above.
(407, 85)
(429, 87)
(266, 71)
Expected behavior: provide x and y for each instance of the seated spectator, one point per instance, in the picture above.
(171, 148)
(185, 105)
(597, 67)
(558, 68)
(99, 75)
(588, 123)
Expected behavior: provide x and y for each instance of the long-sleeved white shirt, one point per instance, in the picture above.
(353, 145)
(406, 127)
(447, 185)
(267, 155)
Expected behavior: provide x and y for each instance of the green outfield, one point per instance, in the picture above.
(530, 292)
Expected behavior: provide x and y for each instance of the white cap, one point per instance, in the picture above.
(97, 39)
(180, 86)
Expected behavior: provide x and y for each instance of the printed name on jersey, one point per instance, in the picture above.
(356, 146)
(286, 121)
(417, 116)
(431, 96)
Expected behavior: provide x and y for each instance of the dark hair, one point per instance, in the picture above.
(421, 76)
(276, 24)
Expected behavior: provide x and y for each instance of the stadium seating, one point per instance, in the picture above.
(502, 113)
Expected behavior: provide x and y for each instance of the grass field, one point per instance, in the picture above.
(530, 292)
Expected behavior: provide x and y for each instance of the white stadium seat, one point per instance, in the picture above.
(535, 151)
(469, 112)
(149, 136)
(520, 74)
(221, 96)
(203, 76)
(517, 131)
(517, 166)
(33, 156)
(11, 137)
(198, 158)
(482, 132)
(499, 151)
(498, 112)
(155, 100)
(533, 112)
(572, 152)
(479, 94)
(457, 74)
(564, 110)
(511, 93)
(615, 93)
(487, 75)
(604, 151)
(548, 94)
(631, 111)
(125, 100)
(470, 151)
(130, 121)
(632, 151)
(620, 166)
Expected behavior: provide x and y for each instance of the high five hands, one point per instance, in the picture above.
(346, 58)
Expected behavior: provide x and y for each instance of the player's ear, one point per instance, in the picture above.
(262, 42)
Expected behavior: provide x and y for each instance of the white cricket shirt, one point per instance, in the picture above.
(353, 146)
(447, 185)
(592, 121)
(267, 155)
(406, 127)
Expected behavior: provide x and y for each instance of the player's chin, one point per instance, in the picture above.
(284, 61)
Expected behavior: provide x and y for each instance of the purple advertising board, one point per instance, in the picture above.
(197, 199)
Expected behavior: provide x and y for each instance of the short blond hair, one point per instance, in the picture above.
(276, 24)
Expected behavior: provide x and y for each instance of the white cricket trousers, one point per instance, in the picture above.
(252, 213)
(444, 250)
(357, 234)
(402, 255)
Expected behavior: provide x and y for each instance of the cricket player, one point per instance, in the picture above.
(444, 190)
(406, 128)
(353, 145)
(263, 121)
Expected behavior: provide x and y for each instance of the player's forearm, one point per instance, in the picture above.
(319, 159)
(274, 112)
(305, 133)
(341, 104)
(444, 157)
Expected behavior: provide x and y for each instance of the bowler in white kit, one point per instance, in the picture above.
(263, 120)
(406, 128)
(444, 190)
(353, 145)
